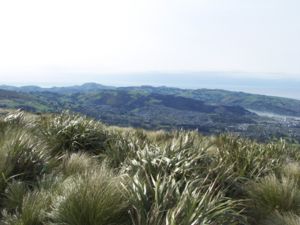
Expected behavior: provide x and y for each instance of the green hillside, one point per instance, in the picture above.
(129, 108)
(276, 105)
(153, 111)
(270, 104)
(71, 170)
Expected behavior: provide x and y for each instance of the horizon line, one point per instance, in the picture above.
(155, 86)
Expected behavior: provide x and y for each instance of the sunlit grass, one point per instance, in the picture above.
(67, 169)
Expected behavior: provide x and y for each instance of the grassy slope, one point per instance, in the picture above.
(70, 170)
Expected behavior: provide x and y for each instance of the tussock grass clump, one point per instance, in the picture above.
(204, 206)
(247, 158)
(15, 118)
(121, 145)
(25, 156)
(32, 211)
(72, 133)
(13, 196)
(94, 198)
(174, 184)
(169, 202)
(181, 157)
(78, 163)
(282, 219)
(22, 157)
(271, 194)
(292, 170)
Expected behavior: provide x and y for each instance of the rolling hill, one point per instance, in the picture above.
(209, 111)
(261, 103)
(125, 108)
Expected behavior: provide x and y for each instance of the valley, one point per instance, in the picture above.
(153, 108)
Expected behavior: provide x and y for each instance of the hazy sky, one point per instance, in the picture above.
(51, 40)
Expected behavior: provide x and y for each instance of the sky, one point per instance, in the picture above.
(72, 41)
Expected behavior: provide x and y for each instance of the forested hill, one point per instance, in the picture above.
(262, 103)
(209, 111)
(270, 104)
(127, 108)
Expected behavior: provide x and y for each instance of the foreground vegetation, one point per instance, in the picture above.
(67, 169)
